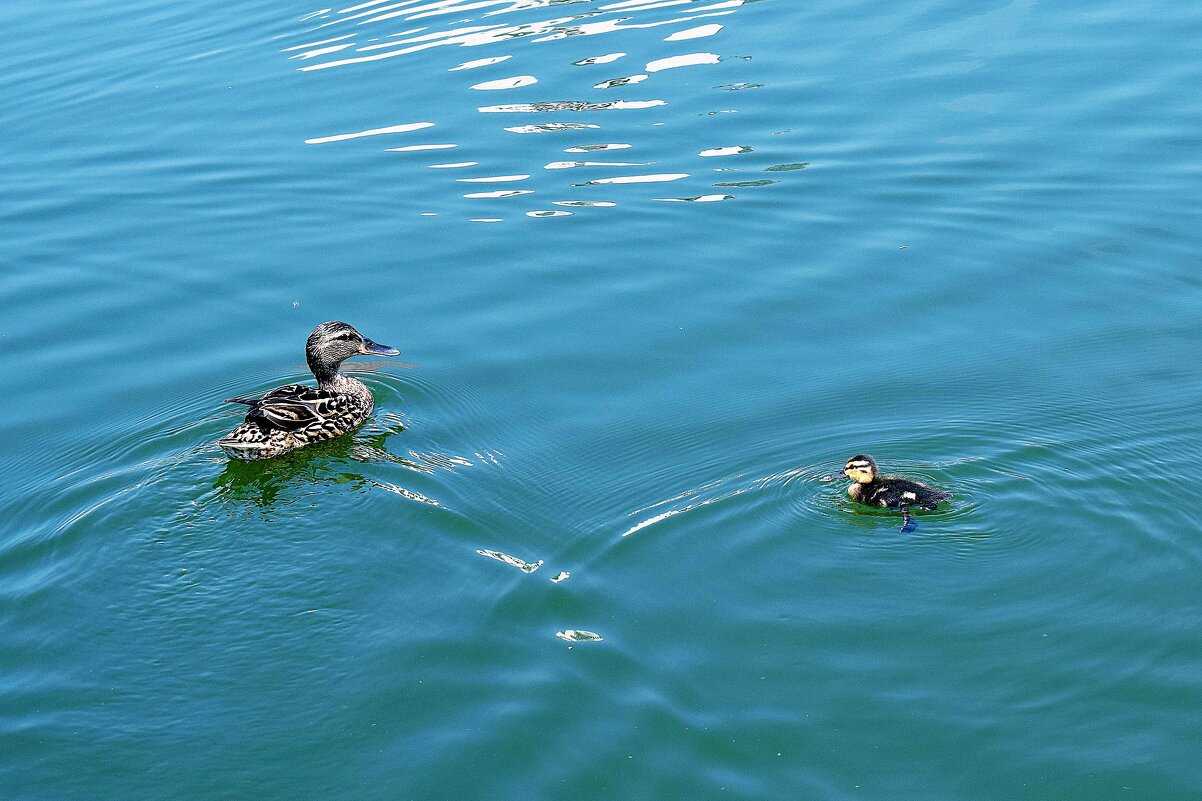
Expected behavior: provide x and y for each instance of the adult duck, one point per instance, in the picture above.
(295, 415)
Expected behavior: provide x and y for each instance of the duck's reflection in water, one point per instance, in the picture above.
(329, 464)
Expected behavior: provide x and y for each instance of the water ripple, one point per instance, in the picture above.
(596, 148)
(391, 129)
(500, 193)
(480, 62)
(689, 60)
(512, 561)
(694, 33)
(552, 127)
(494, 179)
(420, 148)
(370, 36)
(569, 105)
(605, 59)
(578, 635)
(638, 179)
(696, 199)
(565, 165)
(629, 80)
(516, 82)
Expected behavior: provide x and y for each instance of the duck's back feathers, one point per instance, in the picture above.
(892, 492)
(296, 407)
(291, 416)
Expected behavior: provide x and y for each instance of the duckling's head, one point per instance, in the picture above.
(334, 342)
(861, 469)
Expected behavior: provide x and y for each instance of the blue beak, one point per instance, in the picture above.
(377, 349)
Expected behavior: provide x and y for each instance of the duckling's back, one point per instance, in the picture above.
(891, 492)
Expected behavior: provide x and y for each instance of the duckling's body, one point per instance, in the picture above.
(889, 492)
(295, 415)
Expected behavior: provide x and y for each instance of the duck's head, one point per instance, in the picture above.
(334, 342)
(861, 469)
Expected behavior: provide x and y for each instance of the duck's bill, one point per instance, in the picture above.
(376, 349)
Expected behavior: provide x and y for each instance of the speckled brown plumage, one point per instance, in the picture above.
(295, 415)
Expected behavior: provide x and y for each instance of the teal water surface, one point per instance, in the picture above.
(655, 269)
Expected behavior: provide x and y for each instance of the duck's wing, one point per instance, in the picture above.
(292, 408)
(914, 493)
(286, 392)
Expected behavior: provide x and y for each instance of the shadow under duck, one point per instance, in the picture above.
(889, 492)
(295, 415)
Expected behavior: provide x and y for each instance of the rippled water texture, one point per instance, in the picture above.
(557, 97)
(656, 269)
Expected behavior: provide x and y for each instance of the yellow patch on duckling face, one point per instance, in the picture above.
(860, 472)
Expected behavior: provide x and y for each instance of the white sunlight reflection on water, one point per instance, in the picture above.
(359, 36)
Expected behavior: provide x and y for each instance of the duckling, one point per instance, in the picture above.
(295, 415)
(890, 492)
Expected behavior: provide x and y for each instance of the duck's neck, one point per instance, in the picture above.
(331, 380)
(323, 371)
(334, 381)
